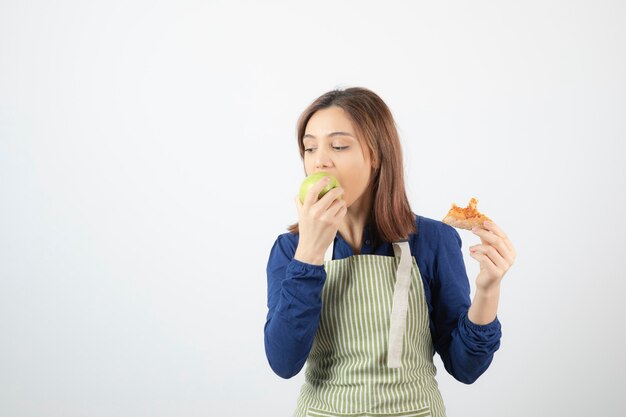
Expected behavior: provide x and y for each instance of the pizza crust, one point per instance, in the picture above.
(465, 218)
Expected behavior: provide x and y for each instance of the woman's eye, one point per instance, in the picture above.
(339, 148)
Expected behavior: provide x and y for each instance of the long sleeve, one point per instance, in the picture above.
(466, 348)
(294, 306)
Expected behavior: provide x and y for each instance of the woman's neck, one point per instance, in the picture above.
(353, 224)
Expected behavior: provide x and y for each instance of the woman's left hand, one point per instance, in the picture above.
(496, 254)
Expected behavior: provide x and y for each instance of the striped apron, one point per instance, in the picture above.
(372, 354)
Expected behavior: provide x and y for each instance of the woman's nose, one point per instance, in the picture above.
(322, 162)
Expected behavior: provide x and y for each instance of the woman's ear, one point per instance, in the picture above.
(373, 159)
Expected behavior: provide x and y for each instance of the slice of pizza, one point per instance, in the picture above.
(465, 218)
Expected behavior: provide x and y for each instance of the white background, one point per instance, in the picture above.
(148, 161)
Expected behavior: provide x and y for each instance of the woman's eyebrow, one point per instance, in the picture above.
(330, 135)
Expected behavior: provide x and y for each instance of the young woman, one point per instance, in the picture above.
(363, 289)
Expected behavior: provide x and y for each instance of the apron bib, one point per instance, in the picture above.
(372, 355)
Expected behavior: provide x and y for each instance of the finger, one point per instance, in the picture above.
(492, 254)
(494, 228)
(328, 199)
(487, 237)
(298, 203)
(342, 212)
(491, 226)
(484, 261)
(336, 207)
(313, 193)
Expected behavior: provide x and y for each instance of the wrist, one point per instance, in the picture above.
(484, 306)
(308, 257)
(490, 291)
(480, 318)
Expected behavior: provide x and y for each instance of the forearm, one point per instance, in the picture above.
(293, 317)
(471, 349)
(484, 306)
(466, 334)
(286, 348)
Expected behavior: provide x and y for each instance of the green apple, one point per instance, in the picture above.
(313, 179)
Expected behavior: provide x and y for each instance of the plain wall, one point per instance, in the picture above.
(148, 161)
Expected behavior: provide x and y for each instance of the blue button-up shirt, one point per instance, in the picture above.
(294, 301)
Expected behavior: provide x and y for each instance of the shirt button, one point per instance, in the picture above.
(367, 242)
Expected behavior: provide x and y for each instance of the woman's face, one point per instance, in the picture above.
(331, 145)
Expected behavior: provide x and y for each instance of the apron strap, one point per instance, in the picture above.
(400, 304)
(328, 256)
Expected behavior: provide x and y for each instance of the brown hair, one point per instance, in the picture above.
(391, 218)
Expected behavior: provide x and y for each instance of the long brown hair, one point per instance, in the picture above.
(391, 218)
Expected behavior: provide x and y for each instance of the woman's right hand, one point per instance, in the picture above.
(318, 222)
